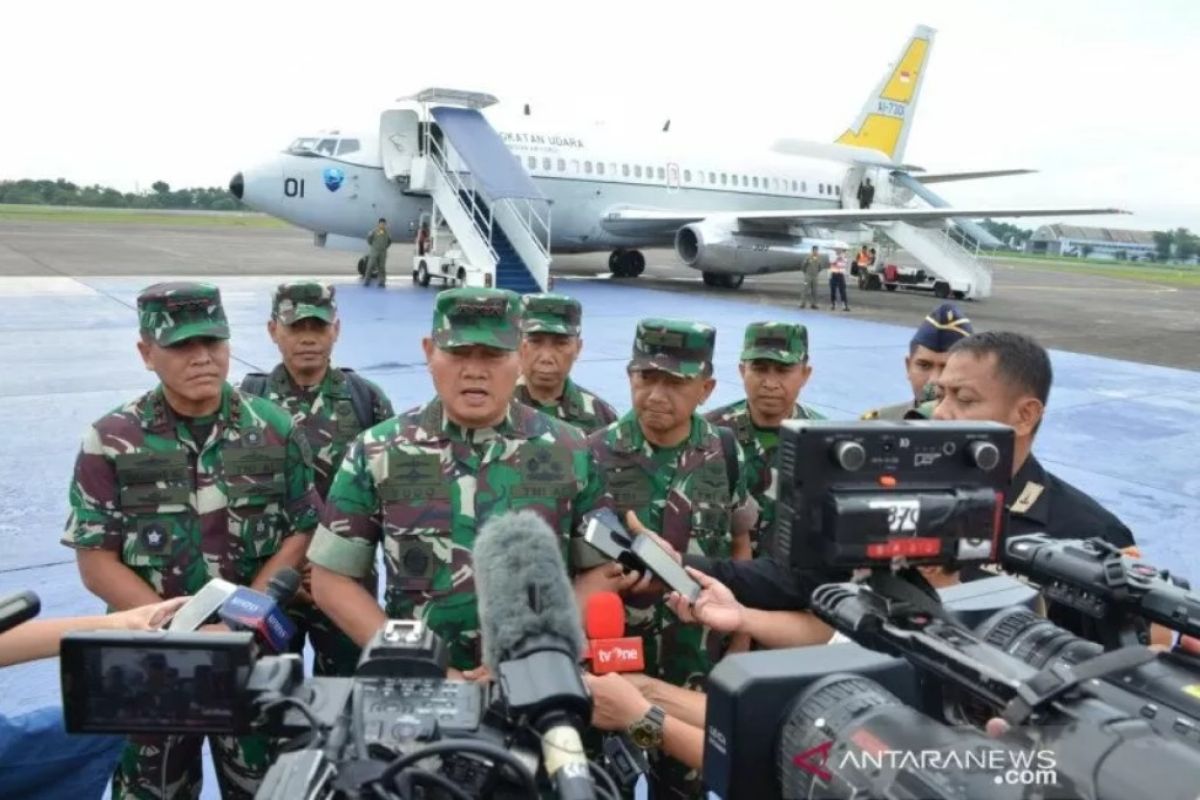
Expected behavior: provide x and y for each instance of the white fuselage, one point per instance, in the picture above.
(583, 175)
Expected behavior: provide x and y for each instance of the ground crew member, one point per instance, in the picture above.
(378, 240)
(331, 406)
(423, 482)
(837, 280)
(812, 271)
(862, 261)
(927, 353)
(774, 368)
(550, 344)
(191, 481)
(681, 476)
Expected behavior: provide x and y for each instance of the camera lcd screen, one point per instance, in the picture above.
(130, 685)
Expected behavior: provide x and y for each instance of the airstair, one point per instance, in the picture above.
(962, 273)
(499, 218)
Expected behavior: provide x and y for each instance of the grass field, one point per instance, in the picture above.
(1169, 275)
(127, 216)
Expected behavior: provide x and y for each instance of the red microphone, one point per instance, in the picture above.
(609, 649)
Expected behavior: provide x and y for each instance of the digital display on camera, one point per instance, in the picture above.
(126, 683)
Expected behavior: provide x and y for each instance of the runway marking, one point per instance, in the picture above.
(1086, 289)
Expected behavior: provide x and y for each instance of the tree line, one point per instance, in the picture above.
(62, 192)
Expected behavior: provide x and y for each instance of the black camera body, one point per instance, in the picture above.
(745, 722)
(871, 495)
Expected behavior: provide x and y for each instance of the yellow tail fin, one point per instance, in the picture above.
(886, 117)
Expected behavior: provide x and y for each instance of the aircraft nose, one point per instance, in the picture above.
(237, 186)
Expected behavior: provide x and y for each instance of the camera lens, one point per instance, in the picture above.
(1035, 640)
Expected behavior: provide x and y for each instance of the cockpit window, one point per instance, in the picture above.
(303, 146)
(327, 147)
(347, 146)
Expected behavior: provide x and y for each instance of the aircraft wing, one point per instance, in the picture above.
(943, 177)
(631, 219)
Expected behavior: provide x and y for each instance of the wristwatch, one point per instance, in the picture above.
(647, 732)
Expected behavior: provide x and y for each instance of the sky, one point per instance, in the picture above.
(1095, 94)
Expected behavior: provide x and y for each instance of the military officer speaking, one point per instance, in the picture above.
(191, 481)
(421, 483)
(331, 406)
(550, 344)
(927, 354)
(774, 368)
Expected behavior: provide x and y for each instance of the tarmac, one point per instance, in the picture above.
(1118, 427)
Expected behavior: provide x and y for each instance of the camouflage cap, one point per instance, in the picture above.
(551, 313)
(174, 312)
(490, 317)
(945, 326)
(676, 346)
(299, 300)
(784, 342)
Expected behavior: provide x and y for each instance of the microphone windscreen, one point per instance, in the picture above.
(283, 585)
(605, 616)
(523, 589)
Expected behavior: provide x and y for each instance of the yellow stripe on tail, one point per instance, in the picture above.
(884, 122)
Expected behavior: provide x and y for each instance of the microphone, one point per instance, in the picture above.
(609, 649)
(202, 606)
(532, 640)
(248, 610)
(18, 608)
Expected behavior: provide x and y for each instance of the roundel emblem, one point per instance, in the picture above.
(333, 178)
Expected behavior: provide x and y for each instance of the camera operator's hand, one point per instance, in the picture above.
(148, 618)
(480, 674)
(716, 607)
(616, 703)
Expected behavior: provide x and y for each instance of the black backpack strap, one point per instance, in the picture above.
(255, 383)
(362, 397)
(729, 447)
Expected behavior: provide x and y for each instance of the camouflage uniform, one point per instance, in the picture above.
(421, 484)
(180, 512)
(562, 315)
(681, 492)
(937, 332)
(326, 416)
(787, 344)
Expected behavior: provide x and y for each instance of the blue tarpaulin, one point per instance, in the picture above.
(497, 171)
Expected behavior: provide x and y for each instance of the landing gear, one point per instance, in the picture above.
(721, 280)
(941, 290)
(626, 263)
(362, 266)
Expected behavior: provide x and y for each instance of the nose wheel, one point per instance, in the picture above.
(626, 263)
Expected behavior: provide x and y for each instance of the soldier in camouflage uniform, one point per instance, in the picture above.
(550, 344)
(774, 368)
(927, 354)
(188, 482)
(681, 477)
(421, 483)
(331, 406)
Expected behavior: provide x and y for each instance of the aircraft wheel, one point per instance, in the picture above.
(422, 274)
(958, 295)
(362, 266)
(734, 281)
(710, 278)
(635, 263)
(941, 290)
(461, 278)
(891, 287)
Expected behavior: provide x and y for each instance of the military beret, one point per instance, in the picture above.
(468, 316)
(173, 312)
(676, 346)
(299, 300)
(551, 313)
(942, 329)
